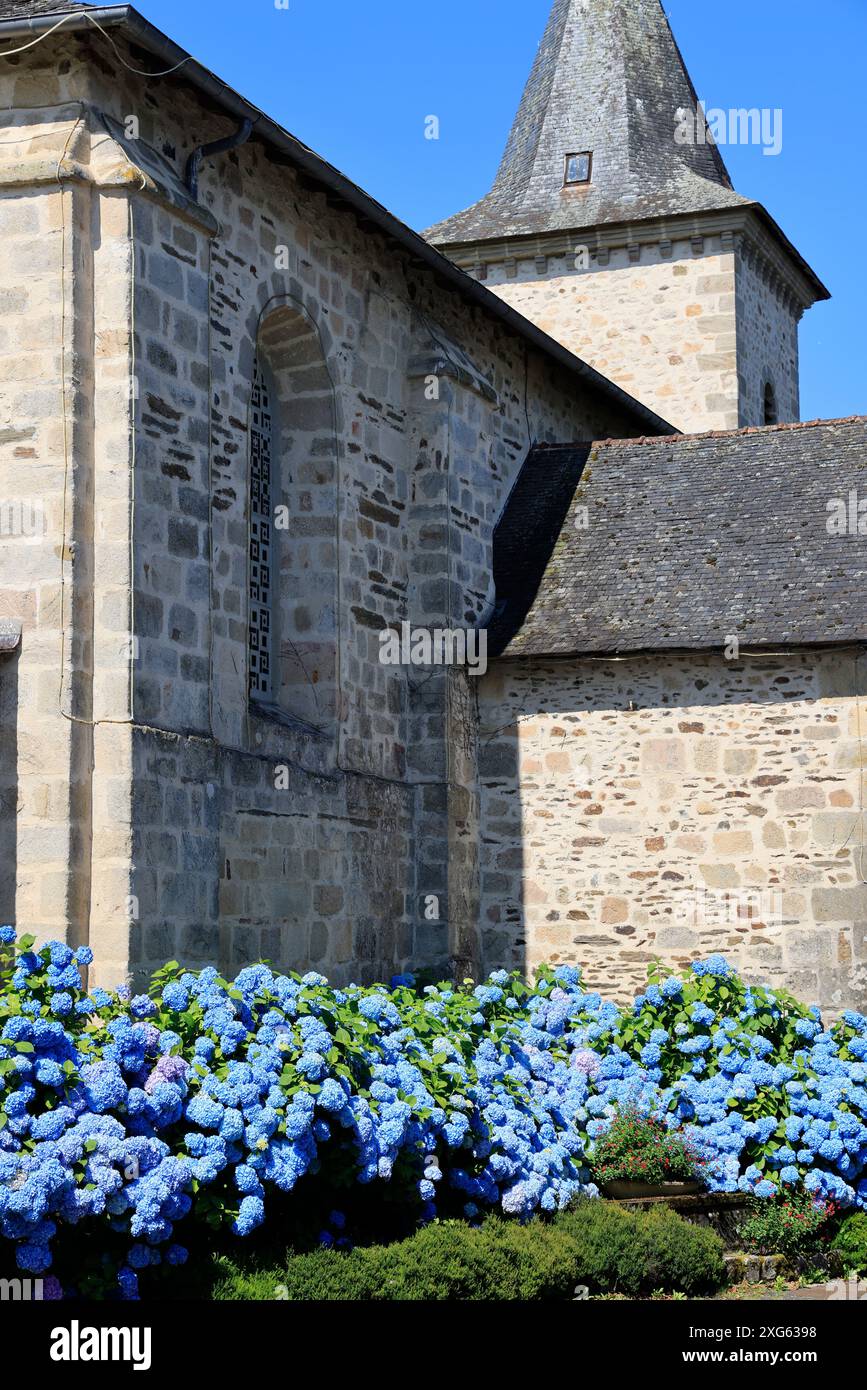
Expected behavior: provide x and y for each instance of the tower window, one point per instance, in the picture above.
(769, 405)
(579, 167)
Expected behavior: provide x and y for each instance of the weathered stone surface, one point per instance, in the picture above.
(159, 814)
(784, 904)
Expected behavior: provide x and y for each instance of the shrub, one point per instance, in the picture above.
(850, 1243)
(639, 1148)
(621, 1251)
(445, 1261)
(126, 1117)
(601, 1246)
(790, 1225)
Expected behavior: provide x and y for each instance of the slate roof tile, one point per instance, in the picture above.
(687, 539)
(35, 9)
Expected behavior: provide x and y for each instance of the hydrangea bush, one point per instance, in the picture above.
(133, 1114)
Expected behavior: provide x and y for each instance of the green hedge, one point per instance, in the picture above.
(599, 1245)
(635, 1252)
(850, 1243)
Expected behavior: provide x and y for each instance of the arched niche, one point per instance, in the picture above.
(293, 658)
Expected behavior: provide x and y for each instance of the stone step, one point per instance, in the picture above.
(742, 1268)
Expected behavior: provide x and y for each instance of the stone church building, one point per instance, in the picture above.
(251, 426)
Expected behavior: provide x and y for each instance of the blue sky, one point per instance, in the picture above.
(356, 80)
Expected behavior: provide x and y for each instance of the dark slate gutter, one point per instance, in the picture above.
(139, 31)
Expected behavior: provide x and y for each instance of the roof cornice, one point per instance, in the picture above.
(751, 221)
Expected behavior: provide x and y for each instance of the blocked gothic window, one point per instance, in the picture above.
(293, 650)
(769, 405)
(261, 672)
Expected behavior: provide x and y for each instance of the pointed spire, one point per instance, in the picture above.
(608, 81)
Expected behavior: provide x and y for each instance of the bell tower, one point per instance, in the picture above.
(613, 225)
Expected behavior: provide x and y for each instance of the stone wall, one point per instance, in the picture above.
(659, 323)
(182, 821)
(675, 805)
(693, 317)
(331, 863)
(767, 342)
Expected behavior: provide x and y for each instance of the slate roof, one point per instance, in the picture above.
(687, 539)
(35, 9)
(608, 78)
